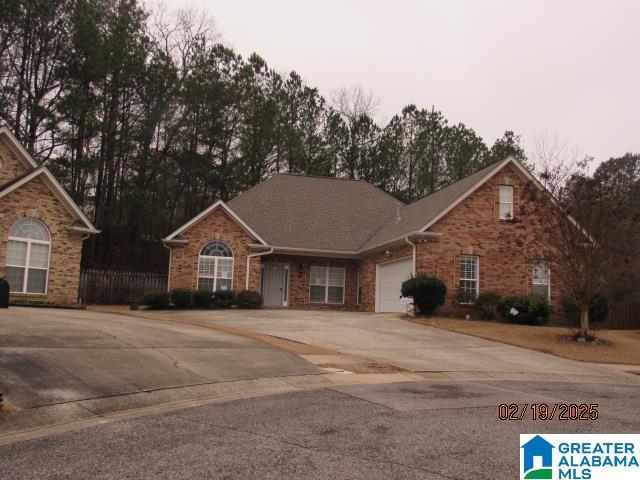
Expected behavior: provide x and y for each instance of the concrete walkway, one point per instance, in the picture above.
(390, 339)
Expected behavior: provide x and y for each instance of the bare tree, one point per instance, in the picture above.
(586, 238)
(180, 33)
(354, 102)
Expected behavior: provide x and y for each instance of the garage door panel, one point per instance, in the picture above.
(390, 278)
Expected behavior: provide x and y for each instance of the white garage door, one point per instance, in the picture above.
(390, 278)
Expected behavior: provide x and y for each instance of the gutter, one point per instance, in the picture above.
(309, 251)
(344, 253)
(249, 257)
(403, 238)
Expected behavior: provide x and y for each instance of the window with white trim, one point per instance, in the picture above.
(506, 202)
(542, 279)
(27, 262)
(469, 278)
(215, 267)
(326, 285)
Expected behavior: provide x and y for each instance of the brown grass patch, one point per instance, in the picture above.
(364, 367)
(614, 346)
(7, 407)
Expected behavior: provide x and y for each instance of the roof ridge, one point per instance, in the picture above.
(457, 181)
(324, 177)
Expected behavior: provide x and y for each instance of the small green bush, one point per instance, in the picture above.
(202, 298)
(487, 303)
(156, 300)
(531, 310)
(248, 299)
(598, 311)
(181, 297)
(224, 298)
(428, 293)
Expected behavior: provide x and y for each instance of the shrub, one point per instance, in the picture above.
(224, 298)
(248, 299)
(156, 300)
(428, 293)
(531, 310)
(487, 303)
(202, 298)
(464, 298)
(598, 311)
(181, 297)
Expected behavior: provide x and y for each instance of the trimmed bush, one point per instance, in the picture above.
(531, 310)
(248, 299)
(181, 297)
(224, 298)
(598, 311)
(487, 303)
(202, 298)
(156, 300)
(428, 293)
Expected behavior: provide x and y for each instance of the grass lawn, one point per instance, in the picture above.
(616, 346)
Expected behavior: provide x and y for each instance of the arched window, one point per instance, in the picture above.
(27, 266)
(215, 267)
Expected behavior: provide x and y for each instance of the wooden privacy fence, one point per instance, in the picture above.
(117, 286)
(622, 316)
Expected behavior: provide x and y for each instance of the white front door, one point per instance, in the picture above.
(389, 279)
(273, 284)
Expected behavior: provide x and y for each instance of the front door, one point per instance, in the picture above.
(273, 284)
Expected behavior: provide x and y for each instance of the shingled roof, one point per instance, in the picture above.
(337, 215)
(323, 213)
(415, 216)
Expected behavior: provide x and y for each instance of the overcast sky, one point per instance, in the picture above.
(571, 68)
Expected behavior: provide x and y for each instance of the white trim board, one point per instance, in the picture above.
(17, 149)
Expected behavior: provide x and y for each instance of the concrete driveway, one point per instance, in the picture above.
(390, 339)
(52, 358)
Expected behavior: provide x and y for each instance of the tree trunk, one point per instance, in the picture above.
(584, 320)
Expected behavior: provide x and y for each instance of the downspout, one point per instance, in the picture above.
(169, 273)
(82, 239)
(249, 257)
(413, 268)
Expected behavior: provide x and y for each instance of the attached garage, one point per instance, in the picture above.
(389, 278)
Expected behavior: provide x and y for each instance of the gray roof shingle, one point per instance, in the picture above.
(419, 213)
(315, 212)
(327, 213)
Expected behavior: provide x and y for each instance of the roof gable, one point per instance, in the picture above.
(56, 189)
(30, 171)
(421, 214)
(174, 237)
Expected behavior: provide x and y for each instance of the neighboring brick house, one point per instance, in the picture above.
(328, 243)
(41, 229)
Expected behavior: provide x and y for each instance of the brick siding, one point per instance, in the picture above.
(11, 167)
(218, 225)
(507, 251)
(35, 200)
(300, 273)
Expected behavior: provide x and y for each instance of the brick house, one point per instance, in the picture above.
(41, 229)
(327, 243)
